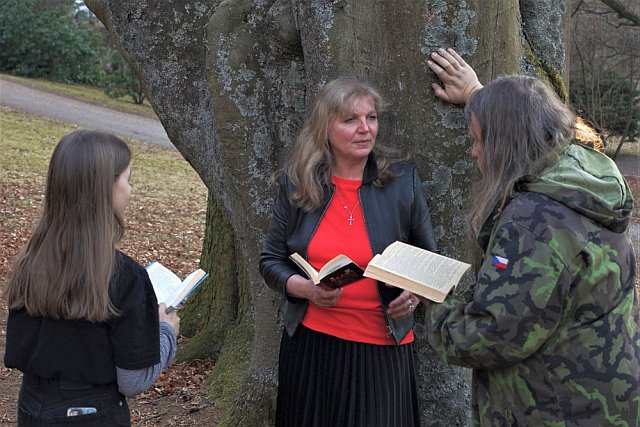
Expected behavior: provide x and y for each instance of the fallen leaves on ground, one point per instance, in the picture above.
(180, 386)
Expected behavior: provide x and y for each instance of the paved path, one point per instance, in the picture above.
(629, 164)
(83, 114)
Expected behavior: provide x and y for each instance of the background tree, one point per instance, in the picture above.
(605, 67)
(49, 39)
(61, 40)
(231, 80)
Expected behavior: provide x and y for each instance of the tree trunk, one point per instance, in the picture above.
(231, 80)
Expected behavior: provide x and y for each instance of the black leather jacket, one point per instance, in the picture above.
(397, 211)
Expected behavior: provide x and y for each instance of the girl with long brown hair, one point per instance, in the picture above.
(84, 324)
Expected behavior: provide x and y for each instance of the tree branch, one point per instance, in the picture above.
(622, 11)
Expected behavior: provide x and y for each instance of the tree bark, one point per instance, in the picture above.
(231, 80)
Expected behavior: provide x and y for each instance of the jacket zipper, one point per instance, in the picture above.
(384, 311)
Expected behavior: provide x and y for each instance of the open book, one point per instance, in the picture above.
(336, 273)
(416, 270)
(169, 288)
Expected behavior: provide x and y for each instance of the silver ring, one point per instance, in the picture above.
(410, 306)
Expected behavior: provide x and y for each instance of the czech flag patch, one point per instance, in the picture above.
(499, 262)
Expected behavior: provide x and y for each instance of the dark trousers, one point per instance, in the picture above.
(46, 402)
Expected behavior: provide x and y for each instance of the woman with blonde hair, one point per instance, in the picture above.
(84, 324)
(346, 355)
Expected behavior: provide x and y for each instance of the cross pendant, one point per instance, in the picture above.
(350, 219)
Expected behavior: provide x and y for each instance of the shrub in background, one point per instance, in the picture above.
(120, 80)
(51, 41)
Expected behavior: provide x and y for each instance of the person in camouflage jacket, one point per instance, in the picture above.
(550, 328)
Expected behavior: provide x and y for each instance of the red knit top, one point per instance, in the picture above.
(358, 314)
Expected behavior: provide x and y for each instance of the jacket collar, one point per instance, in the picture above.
(370, 170)
(370, 174)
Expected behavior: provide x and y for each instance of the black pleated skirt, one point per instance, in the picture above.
(325, 381)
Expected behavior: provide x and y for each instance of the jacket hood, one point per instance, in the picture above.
(585, 181)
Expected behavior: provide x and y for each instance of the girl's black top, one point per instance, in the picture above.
(84, 352)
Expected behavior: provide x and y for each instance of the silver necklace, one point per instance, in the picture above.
(346, 208)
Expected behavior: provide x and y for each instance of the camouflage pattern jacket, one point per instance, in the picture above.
(550, 327)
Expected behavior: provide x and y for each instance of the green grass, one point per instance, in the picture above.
(26, 144)
(92, 95)
(27, 141)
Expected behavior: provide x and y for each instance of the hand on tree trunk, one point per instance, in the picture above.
(459, 79)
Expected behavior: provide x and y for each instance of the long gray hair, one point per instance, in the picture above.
(521, 121)
(65, 269)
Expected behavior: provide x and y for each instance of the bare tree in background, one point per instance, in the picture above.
(605, 67)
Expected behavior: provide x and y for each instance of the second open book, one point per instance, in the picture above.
(169, 288)
(402, 265)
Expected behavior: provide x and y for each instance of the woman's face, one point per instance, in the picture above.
(121, 193)
(477, 147)
(353, 136)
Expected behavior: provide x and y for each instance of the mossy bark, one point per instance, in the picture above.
(218, 319)
(216, 303)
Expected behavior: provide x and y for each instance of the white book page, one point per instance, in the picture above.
(165, 282)
(189, 284)
(304, 265)
(192, 277)
(421, 265)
